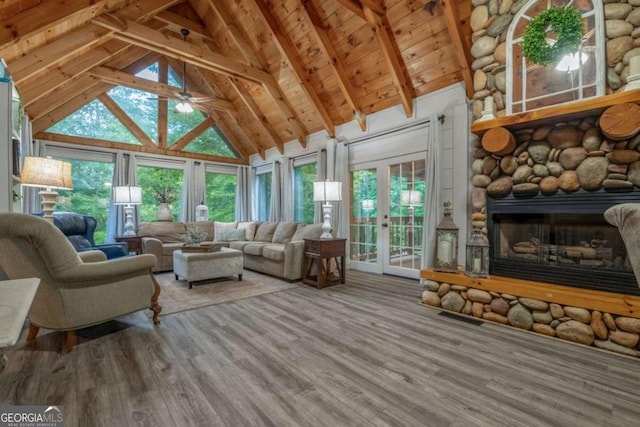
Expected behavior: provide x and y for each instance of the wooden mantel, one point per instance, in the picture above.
(609, 302)
(568, 111)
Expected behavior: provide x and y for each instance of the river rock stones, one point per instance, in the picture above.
(575, 331)
(520, 317)
(568, 136)
(592, 172)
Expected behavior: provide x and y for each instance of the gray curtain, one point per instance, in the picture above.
(30, 198)
(188, 204)
(322, 175)
(287, 190)
(199, 185)
(275, 212)
(115, 219)
(431, 193)
(243, 194)
(340, 213)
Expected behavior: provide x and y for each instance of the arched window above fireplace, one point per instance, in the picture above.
(529, 86)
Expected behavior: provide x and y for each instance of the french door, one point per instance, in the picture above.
(387, 211)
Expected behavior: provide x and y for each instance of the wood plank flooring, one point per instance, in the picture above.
(361, 354)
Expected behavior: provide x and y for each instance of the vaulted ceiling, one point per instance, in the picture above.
(266, 72)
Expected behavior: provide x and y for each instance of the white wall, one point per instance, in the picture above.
(454, 141)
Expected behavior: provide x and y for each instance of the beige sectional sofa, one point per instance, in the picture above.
(274, 248)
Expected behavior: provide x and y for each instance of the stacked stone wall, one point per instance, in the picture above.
(607, 331)
(490, 20)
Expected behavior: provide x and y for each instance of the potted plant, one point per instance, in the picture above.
(164, 194)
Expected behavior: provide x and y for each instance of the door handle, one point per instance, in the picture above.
(384, 224)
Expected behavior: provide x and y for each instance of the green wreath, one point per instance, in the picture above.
(566, 22)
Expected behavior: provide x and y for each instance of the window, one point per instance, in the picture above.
(531, 86)
(159, 185)
(303, 205)
(95, 120)
(221, 196)
(263, 194)
(91, 193)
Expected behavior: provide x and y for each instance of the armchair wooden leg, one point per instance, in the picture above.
(33, 331)
(155, 307)
(70, 342)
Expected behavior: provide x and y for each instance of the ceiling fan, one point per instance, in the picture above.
(185, 100)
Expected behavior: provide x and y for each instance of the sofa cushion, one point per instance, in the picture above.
(250, 229)
(230, 234)
(307, 231)
(165, 231)
(284, 232)
(169, 248)
(254, 249)
(265, 231)
(239, 245)
(222, 226)
(274, 252)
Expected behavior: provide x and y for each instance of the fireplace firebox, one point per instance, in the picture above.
(562, 239)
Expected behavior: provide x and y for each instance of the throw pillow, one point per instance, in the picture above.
(308, 231)
(218, 226)
(284, 232)
(265, 231)
(250, 229)
(230, 234)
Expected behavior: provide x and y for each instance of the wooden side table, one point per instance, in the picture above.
(134, 243)
(321, 252)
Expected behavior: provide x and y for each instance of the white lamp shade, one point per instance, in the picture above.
(126, 195)
(183, 107)
(327, 191)
(368, 204)
(410, 198)
(46, 172)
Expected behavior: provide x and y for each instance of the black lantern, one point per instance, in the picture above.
(446, 242)
(477, 263)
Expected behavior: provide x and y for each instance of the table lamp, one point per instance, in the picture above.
(127, 196)
(50, 174)
(327, 191)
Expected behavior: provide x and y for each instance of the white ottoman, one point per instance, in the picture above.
(194, 266)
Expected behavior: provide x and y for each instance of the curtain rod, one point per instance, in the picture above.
(441, 118)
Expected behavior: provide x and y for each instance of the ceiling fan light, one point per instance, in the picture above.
(183, 107)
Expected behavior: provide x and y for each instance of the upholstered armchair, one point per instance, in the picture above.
(79, 229)
(626, 216)
(77, 289)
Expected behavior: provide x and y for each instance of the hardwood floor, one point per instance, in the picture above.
(361, 354)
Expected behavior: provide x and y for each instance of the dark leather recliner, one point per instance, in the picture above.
(79, 230)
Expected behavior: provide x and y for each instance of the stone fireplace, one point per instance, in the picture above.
(562, 239)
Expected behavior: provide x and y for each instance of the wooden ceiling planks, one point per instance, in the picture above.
(283, 68)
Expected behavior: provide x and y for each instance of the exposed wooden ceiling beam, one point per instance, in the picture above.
(325, 44)
(46, 18)
(163, 104)
(151, 39)
(39, 60)
(161, 89)
(254, 109)
(275, 93)
(354, 6)
(69, 107)
(75, 86)
(392, 57)
(127, 121)
(177, 22)
(136, 148)
(192, 134)
(232, 137)
(287, 50)
(453, 25)
(35, 87)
